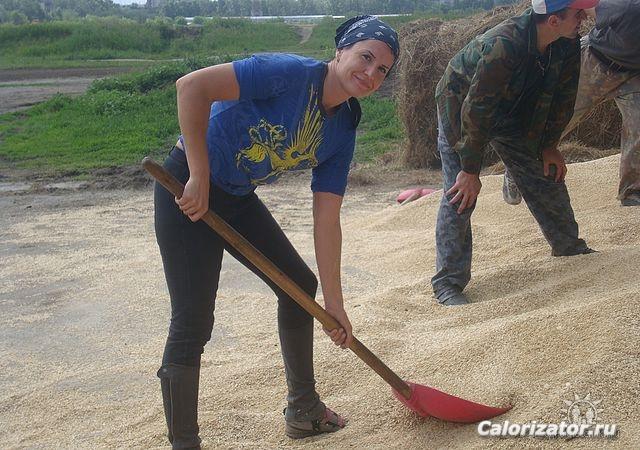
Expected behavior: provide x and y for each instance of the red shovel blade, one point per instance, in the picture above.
(428, 401)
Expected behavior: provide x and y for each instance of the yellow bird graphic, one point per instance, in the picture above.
(267, 141)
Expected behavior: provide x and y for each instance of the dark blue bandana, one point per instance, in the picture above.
(361, 28)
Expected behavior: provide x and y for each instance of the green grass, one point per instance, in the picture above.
(104, 38)
(4, 85)
(116, 123)
(321, 40)
(235, 37)
(108, 128)
(58, 44)
(380, 130)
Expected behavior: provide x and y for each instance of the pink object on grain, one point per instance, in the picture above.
(414, 192)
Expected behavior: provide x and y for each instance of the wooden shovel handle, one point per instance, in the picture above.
(237, 241)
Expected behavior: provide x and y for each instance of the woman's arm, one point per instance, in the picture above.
(196, 92)
(328, 244)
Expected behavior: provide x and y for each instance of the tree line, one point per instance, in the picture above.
(24, 11)
(192, 8)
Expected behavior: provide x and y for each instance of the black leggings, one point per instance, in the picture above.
(192, 258)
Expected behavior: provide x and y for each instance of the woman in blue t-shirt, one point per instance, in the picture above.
(244, 124)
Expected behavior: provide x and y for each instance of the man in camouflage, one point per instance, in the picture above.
(610, 70)
(513, 87)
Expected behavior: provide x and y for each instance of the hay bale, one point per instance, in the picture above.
(600, 128)
(428, 45)
(420, 66)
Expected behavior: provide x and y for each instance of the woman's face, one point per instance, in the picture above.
(363, 66)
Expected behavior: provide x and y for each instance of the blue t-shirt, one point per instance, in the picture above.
(278, 125)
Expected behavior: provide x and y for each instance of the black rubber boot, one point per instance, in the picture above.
(180, 399)
(303, 403)
(583, 250)
(451, 296)
(632, 199)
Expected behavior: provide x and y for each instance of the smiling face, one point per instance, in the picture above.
(363, 66)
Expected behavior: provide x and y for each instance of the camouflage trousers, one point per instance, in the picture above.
(547, 200)
(599, 83)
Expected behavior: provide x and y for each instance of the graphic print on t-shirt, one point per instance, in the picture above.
(269, 142)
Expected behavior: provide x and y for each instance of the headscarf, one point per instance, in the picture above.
(361, 28)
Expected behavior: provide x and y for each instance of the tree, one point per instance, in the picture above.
(223, 8)
(30, 9)
(18, 18)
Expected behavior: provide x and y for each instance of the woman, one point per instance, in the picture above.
(243, 124)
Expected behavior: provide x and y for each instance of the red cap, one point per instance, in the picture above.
(584, 4)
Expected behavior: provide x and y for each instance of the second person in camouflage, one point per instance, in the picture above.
(513, 87)
(610, 70)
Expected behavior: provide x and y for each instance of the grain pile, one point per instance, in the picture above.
(85, 316)
(427, 47)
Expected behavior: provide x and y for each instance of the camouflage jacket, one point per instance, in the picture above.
(484, 83)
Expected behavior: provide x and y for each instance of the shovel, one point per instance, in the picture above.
(424, 400)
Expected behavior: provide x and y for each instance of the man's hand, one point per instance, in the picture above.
(467, 188)
(194, 202)
(552, 156)
(340, 336)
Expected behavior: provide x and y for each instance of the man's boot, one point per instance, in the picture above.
(632, 199)
(180, 399)
(451, 296)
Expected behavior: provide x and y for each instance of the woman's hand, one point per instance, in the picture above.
(343, 336)
(466, 189)
(194, 202)
(552, 156)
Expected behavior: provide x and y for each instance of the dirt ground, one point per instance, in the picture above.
(69, 336)
(22, 88)
(84, 312)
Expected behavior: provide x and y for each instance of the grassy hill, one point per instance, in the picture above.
(121, 119)
(43, 44)
(83, 42)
